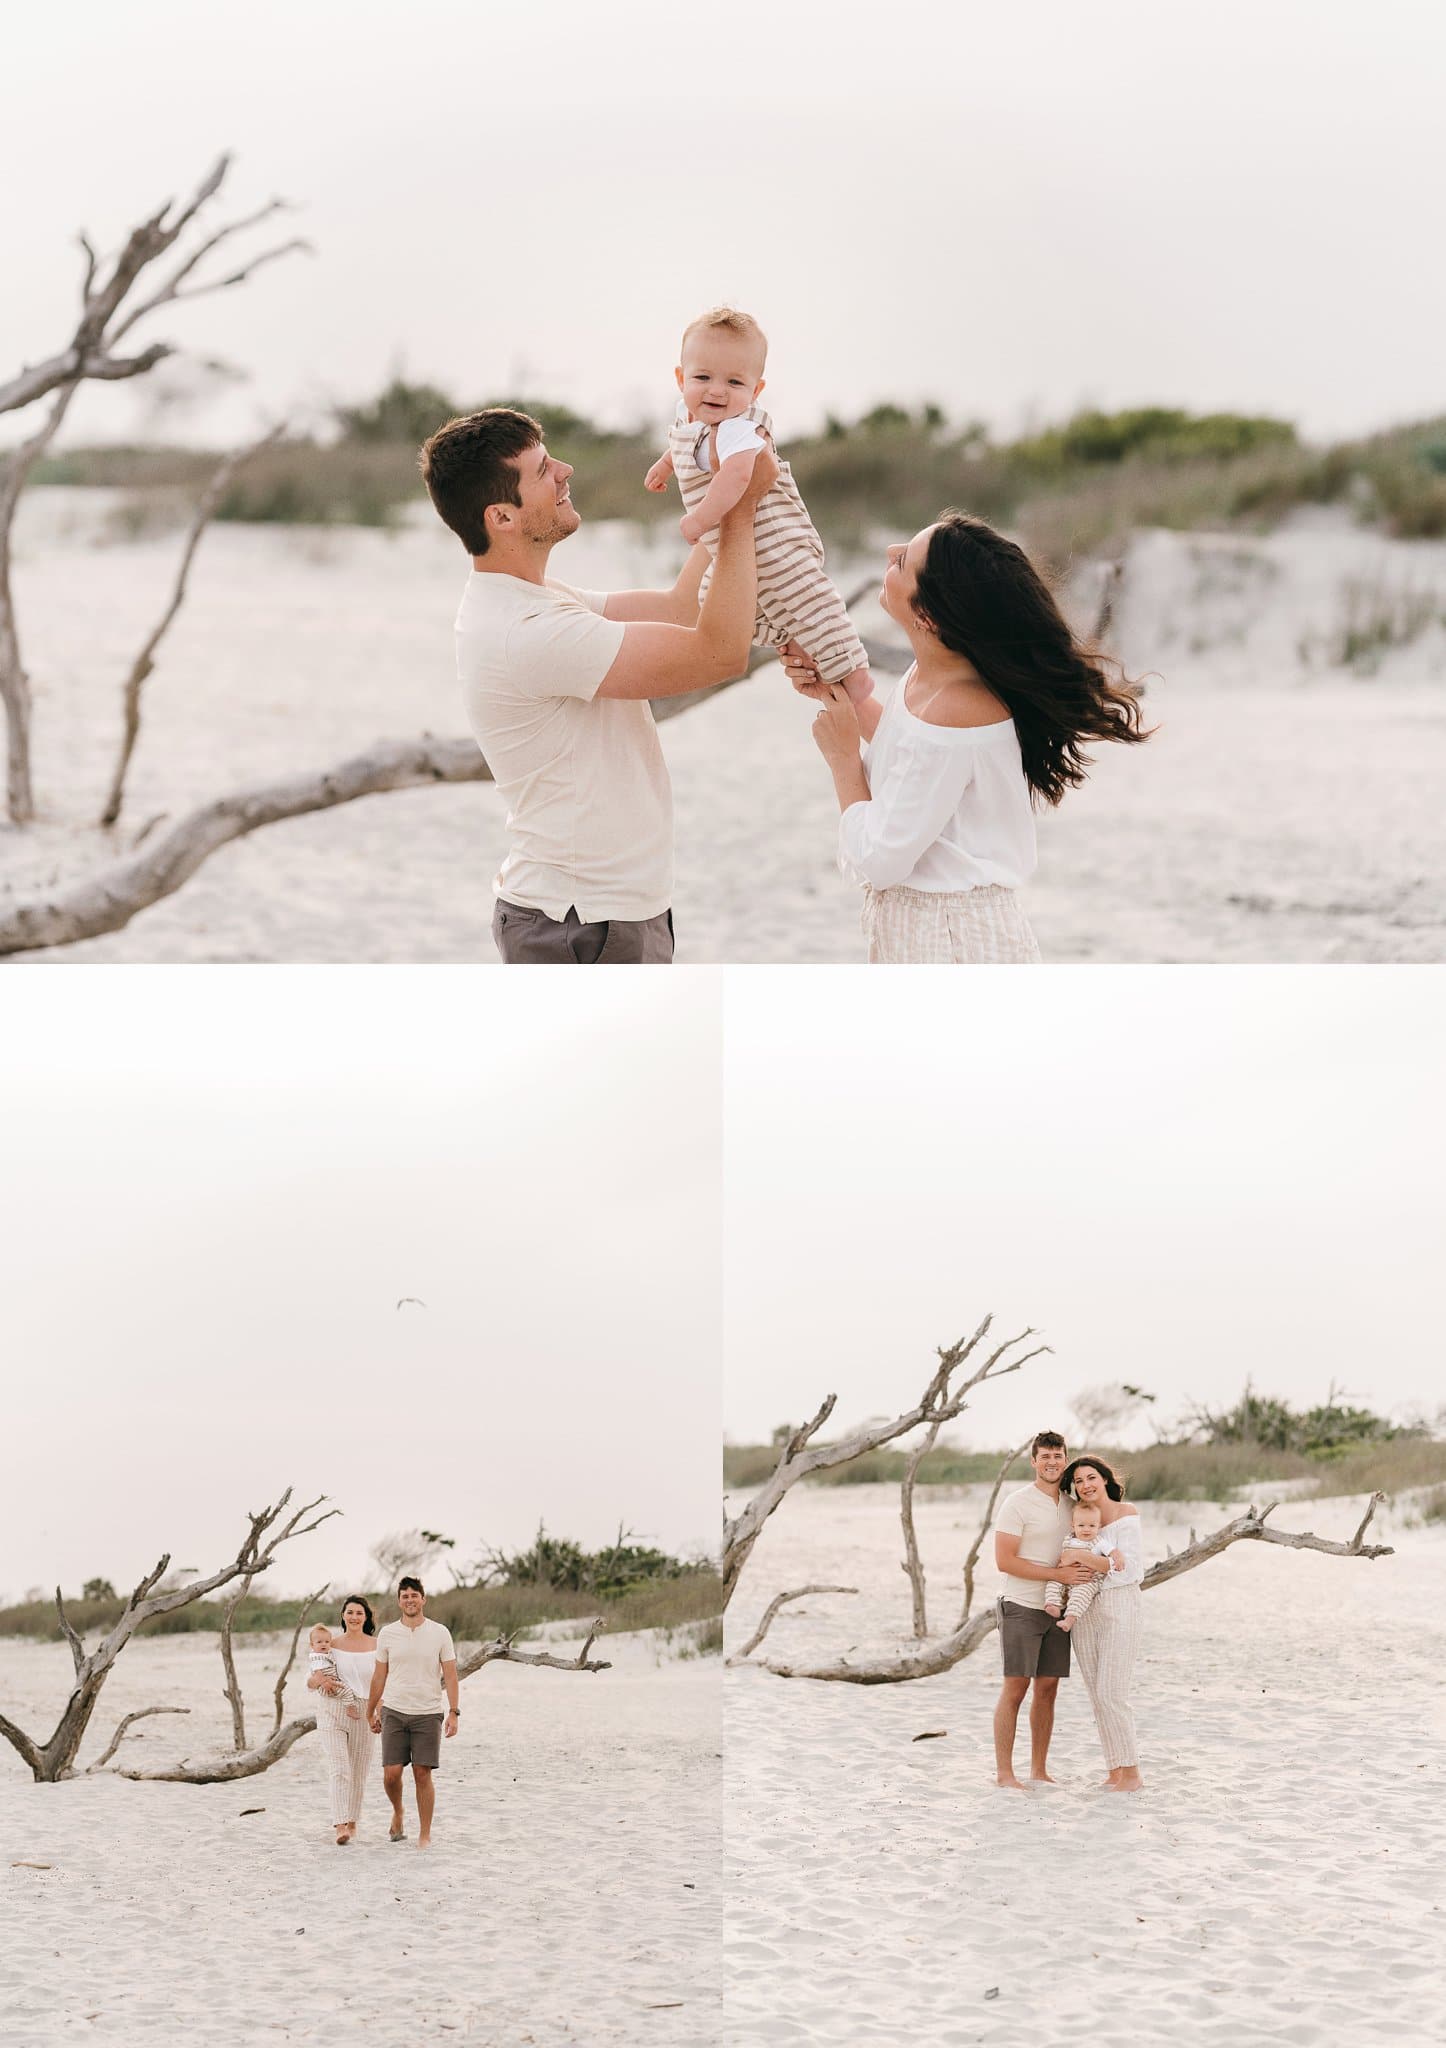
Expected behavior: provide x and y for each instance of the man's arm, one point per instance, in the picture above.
(449, 1681)
(1069, 1571)
(374, 1697)
(668, 661)
(675, 607)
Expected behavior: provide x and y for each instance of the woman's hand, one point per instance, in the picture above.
(836, 728)
(802, 670)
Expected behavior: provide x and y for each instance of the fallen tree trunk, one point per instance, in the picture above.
(953, 1649)
(221, 1770)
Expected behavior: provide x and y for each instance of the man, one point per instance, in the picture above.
(556, 684)
(415, 1662)
(1031, 1526)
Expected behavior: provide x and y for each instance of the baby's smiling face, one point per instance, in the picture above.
(321, 1637)
(720, 375)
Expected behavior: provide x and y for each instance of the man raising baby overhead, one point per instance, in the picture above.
(718, 430)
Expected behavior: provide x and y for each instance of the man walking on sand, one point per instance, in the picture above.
(415, 1661)
(556, 684)
(1031, 1528)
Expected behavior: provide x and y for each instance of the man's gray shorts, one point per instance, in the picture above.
(411, 1739)
(530, 938)
(1034, 1644)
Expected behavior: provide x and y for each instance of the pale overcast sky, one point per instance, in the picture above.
(1012, 212)
(1181, 1177)
(215, 1186)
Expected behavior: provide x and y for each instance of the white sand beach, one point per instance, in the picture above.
(571, 1896)
(1288, 810)
(1279, 1881)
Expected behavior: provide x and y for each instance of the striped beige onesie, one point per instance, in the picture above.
(796, 600)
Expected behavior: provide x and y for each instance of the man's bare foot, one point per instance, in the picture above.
(1009, 1783)
(1042, 1778)
(424, 1841)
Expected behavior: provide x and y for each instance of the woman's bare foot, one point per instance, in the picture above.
(1127, 1779)
(343, 1833)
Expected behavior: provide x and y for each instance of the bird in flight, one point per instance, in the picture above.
(410, 1300)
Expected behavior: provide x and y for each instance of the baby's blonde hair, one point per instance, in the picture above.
(730, 321)
(1085, 1507)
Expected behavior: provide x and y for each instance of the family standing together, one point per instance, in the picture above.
(1069, 1545)
(399, 1682)
(936, 786)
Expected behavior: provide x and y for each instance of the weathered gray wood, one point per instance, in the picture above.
(500, 1651)
(140, 1714)
(769, 1612)
(220, 1770)
(144, 664)
(55, 1758)
(951, 1650)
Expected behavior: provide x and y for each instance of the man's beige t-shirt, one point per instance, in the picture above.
(589, 807)
(414, 1658)
(1041, 1524)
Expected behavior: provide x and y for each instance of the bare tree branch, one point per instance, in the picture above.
(77, 1647)
(141, 1714)
(800, 1457)
(233, 1695)
(985, 1525)
(780, 1600)
(501, 1651)
(951, 1650)
(145, 661)
(913, 1565)
(306, 1606)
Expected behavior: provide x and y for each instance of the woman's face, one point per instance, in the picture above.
(1089, 1486)
(353, 1616)
(901, 577)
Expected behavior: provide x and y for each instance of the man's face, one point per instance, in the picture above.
(547, 513)
(1049, 1462)
(412, 1602)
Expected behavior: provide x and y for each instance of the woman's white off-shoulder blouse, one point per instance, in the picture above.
(948, 808)
(1126, 1537)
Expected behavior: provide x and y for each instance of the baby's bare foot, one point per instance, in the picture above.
(1051, 1610)
(1067, 1624)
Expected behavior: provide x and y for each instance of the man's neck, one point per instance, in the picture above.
(1052, 1490)
(528, 563)
(413, 1620)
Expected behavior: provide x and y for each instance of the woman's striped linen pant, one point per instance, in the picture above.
(1107, 1642)
(347, 1747)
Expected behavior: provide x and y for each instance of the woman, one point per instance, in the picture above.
(347, 1743)
(938, 815)
(1106, 1638)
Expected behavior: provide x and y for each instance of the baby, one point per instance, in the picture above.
(1087, 1534)
(717, 432)
(321, 1659)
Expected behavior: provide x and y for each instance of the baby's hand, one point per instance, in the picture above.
(657, 477)
(692, 528)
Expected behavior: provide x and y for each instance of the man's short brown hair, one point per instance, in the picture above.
(471, 463)
(1048, 1440)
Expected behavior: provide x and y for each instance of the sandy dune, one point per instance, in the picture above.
(1279, 1880)
(1286, 811)
(571, 1895)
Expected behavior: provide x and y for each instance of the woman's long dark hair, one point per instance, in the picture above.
(369, 1627)
(990, 604)
(1115, 1488)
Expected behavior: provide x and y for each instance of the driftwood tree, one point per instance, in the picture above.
(116, 296)
(937, 1406)
(54, 1758)
(941, 1401)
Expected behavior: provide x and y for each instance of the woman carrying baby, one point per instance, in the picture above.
(1106, 1638)
(991, 719)
(340, 1677)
